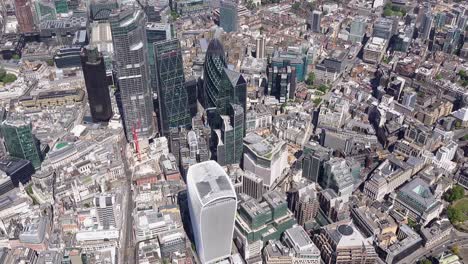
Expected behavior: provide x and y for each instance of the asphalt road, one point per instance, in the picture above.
(127, 248)
(457, 238)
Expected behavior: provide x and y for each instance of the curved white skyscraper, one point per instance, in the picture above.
(212, 204)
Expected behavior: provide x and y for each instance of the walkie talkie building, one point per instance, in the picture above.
(212, 204)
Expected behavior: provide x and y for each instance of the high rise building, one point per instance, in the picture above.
(357, 30)
(94, 71)
(105, 211)
(260, 47)
(337, 176)
(383, 28)
(304, 203)
(282, 82)
(155, 32)
(426, 25)
(228, 139)
(341, 243)
(20, 141)
(221, 85)
(225, 93)
(45, 10)
(172, 95)
(24, 16)
(314, 158)
(212, 205)
(131, 64)
(252, 185)
(315, 21)
(228, 15)
(266, 157)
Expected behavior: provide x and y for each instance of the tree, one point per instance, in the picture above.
(15, 57)
(50, 62)
(456, 193)
(323, 88)
(2, 73)
(455, 249)
(455, 215)
(9, 78)
(317, 101)
(310, 79)
(296, 6)
(425, 261)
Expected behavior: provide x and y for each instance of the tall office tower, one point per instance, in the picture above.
(225, 93)
(314, 158)
(228, 15)
(24, 16)
(409, 99)
(94, 71)
(357, 30)
(191, 85)
(221, 85)
(341, 243)
(172, 95)
(45, 10)
(101, 9)
(282, 82)
(252, 185)
(304, 203)
(383, 28)
(315, 21)
(337, 176)
(212, 205)
(131, 64)
(20, 141)
(155, 32)
(105, 211)
(426, 25)
(260, 47)
(228, 139)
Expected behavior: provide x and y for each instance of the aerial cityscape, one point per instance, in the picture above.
(233, 131)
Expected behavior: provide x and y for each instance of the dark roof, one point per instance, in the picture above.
(10, 165)
(215, 48)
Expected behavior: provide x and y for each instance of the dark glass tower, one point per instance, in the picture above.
(94, 72)
(221, 85)
(225, 100)
(20, 141)
(172, 95)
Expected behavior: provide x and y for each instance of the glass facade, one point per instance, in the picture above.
(97, 88)
(225, 96)
(131, 65)
(172, 95)
(20, 142)
(229, 17)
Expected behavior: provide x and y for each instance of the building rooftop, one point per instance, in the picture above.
(210, 181)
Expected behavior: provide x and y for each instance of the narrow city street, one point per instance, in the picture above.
(127, 247)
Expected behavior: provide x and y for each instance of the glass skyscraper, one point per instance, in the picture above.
(225, 100)
(228, 15)
(94, 72)
(172, 95)
(221, 85)
(155, 32)
(20, 141)
(131, 64)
